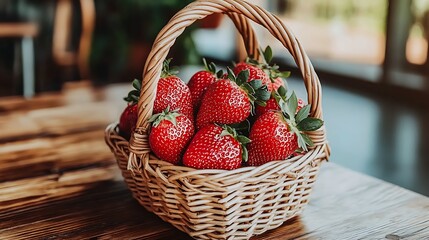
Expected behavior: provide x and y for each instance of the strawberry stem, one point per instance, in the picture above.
(168, 115)
(255, 90)
(168, 71)
(243, 140)
(134, 95)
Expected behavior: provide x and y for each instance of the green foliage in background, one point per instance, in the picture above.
(124, 23)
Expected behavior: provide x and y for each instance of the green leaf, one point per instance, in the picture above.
(261, 103)
(137, 84)
(263, 94)
(310, 124)
(249, 88)
(245, 154)
(284, 74)
(243, 139)
(307, 140)
(303, 113)
(154, 117)
(134, 98)
(252, 61)
(212, 68)
(219, 74)
(231, 74)
(282, 91)
(292, 104)
(134, 92)
(205, 64)
(268, 54)
(301, 142)
(225, 133)
(242, 77)
(256, 84)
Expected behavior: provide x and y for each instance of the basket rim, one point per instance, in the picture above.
(308, 158)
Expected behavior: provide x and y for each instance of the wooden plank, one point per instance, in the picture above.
(53, 154)
(345, 205)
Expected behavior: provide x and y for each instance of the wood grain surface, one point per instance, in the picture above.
(58, 180)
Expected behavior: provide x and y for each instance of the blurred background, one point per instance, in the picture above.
(371, 56)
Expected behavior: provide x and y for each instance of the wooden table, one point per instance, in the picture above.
(58, 180)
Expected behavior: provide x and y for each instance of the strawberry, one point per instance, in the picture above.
(200, 81)
(255, 73)
(276, 135)
(128, 119)
(229, 101)
(170, 134)
(277, 97)
(272, 105)
(172, 92)
(215, 147)
(276, 83)
(268, 74)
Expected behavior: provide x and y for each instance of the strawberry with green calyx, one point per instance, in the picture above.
(172, 92)
(216, 147)
(200, 81)
(171, 132)
(276, 135)
(128, 119)
(278, 97)
(231, 100)
(275, 76)
(255, 73)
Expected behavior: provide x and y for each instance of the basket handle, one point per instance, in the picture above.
(238, 10)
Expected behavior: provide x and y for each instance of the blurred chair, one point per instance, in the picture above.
(62, 35)
(27, 32)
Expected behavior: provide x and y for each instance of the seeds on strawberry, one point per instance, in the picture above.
(215, 147)
(272, 105)
(278, 134)
(200, 81)
(170, 134)
(229, 101)
(271, 138)
(172, 92)
(255, 73)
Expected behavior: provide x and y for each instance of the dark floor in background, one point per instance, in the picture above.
(380, 137)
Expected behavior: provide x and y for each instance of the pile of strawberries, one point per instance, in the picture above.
(245, 117)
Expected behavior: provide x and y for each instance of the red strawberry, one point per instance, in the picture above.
(272, 139)
(200, 81)
(275, 84)
(255, 73)
(276, 135)
(272, 77)
(128, 119)
(229, 101)
(170, 134)
(215, 147)
(172, 92)
(272, 105)
(278, 97)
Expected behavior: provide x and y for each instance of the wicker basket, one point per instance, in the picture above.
(219, 204)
